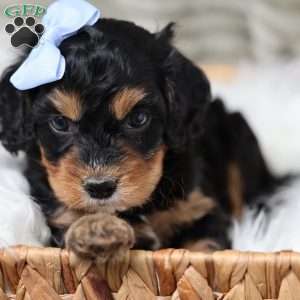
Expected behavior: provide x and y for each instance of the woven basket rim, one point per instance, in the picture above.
(169, 273)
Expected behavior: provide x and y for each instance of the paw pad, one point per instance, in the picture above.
(24, 31)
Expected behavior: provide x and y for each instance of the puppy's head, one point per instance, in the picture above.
(126, 98)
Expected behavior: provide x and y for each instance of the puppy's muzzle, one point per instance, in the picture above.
(102, 188)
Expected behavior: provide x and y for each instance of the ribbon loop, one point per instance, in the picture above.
(45, 63)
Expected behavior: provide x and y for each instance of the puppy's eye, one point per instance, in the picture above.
(138, 119)
(60, 124)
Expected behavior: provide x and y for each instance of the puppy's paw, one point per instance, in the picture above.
(100, 237)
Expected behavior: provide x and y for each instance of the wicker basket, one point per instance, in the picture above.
(51, 274)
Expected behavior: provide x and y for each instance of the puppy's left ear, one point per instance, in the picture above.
(16, 128)
(186, 89)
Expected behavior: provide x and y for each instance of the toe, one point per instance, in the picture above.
(9, 28)
(39, 28)
(30, 21)
(19, 21)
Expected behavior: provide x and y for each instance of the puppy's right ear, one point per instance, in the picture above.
(186, 90)
(167, 33)
(16, 128)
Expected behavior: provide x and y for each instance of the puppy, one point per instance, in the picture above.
(120, 153)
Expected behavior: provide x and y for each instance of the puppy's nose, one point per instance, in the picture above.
(101, 189)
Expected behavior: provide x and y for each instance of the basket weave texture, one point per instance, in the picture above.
(53, 274)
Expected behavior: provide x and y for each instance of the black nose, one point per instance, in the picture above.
(100, 190)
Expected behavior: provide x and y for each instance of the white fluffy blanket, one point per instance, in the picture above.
(21, 221)
(269, 97)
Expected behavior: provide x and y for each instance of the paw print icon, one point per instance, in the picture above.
(24, 32)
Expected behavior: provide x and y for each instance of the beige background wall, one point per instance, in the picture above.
(215, 31)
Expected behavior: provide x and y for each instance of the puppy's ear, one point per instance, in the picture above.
(187, 91)
(16, 128)
(167, 33)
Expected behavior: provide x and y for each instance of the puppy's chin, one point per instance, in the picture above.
(109, 205)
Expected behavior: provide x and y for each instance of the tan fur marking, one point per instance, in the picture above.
(205, 245)
(137, 179)
(64, 217)
(184, 212)
(235, 190)
(67, 104)
(65, 179)
(67, 176)
(125, 100)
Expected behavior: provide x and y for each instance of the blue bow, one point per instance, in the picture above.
(45, 63)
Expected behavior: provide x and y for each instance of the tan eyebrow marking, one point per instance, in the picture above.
(68, 104)
(125, 100)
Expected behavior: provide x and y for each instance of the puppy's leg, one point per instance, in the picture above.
(100, 237)
(208, 233)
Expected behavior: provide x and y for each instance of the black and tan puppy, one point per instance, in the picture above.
(118, 154)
